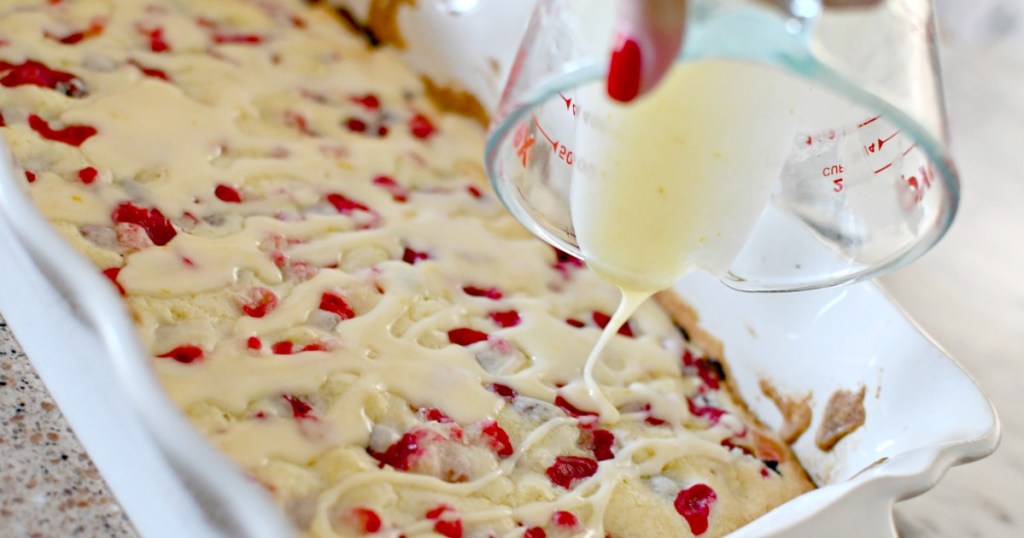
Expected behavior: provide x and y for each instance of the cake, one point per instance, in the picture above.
(332, 294)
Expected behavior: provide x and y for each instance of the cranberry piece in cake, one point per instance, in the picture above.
(565, 519)
(490, 293)
(111, 273)
(95, 28)
(568, 469)
(283, 347)
(87, 175)
(601, 320)
(497, 438)
(403, 453)
(694, 504)
(464, 336)
(369, 101)
(504, 391)
(186, 354)
(535, 532)
(300, 409)
(157, 226)
(711, 413)
(571, 409)
(398, 192)
(155, 37)
(336, 304)
(505, 319)
(32, 73)
(411, 256)
(259, 302)
(421, 127)
(368, 520)
(227, 193)
(602, 442)
(72, 135)
(345, 205)
(446, 525)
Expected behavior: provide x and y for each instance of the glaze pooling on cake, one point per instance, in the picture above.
(330, 291)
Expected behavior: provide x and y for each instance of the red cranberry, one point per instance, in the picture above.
(157, 43)
(283, 347)
(345, 205)
(355, 125)
(601, 320)
(254, 343)
(568, 469)
(490, 293)
(237, 39)
(711, 413)
(436, 415)
(72, 135)
(465, 336)
(369, 521)
(370, 101)
(571, 409)
(694, 504)
(259, 302)
(32, 73)
(535, 532)
(186, 354)
(603, 441)
(411, 256)
(565, 519)
(505, 319)
(226, 193)
(402, 455)
(300, 409)
(451, 529)
(157, 226)
(111, 273)
(398, 192)
(151, 72)
(497, 438)
(336, 304)
(87, 175)
(421, 127)
(504, 391)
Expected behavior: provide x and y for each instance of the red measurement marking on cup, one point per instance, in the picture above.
(877, 145)
(868, 122)
(570, 106)
(834, 172)
(563, 153)
(522, 140)
(908, 150)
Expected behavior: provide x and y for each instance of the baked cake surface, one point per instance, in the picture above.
(332, 294)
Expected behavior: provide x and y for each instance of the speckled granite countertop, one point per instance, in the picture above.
(48, 485)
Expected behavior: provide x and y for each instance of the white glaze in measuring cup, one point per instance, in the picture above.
(862, 184)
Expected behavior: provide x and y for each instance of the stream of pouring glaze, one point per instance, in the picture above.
(676, 181)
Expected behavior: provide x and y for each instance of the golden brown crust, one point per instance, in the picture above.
(844, 413)
(453, 99)
(383, 21)
(796, 412)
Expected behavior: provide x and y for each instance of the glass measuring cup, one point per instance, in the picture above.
(861, 181)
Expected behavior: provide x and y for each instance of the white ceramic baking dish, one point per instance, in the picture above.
(924, 413)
